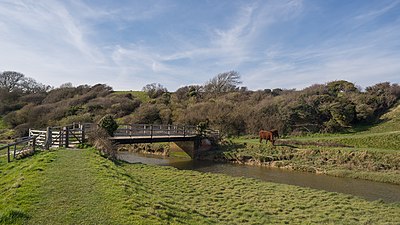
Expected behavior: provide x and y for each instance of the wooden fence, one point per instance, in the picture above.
(65, 136)
(20, 147)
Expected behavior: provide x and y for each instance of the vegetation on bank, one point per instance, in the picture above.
(377, 165)
(370, 153)
(80, 187)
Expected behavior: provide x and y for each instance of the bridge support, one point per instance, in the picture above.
(193, 147)
(190, 147)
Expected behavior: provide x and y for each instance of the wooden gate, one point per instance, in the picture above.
(65, 136)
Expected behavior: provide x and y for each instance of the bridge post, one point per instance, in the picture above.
(184, 130)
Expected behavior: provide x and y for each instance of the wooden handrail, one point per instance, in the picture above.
(14, 144)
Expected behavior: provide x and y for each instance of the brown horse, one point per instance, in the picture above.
(267, 135)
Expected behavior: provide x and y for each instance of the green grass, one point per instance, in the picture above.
(19, 185)
(388, 122)
(383, 135)
(387, 140)
(141, 95)
(81, 187)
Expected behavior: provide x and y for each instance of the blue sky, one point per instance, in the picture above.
(128, 44)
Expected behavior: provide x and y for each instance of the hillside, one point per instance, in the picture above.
(337, 106)
(382, 135)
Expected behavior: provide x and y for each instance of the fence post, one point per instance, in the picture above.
(34, 144)
(8, 154)
(66, 136)
(61, 138)
(15, 150)
(184, 130)
(169, 130)
(49, 138)
(82, 127)
(151, 131)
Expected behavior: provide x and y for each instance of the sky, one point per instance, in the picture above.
(271, 43)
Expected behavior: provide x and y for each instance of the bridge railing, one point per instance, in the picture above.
(132, 130)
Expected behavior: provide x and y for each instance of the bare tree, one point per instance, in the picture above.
(154, 90)
(223, 82)
(30, 85)
(10, 80)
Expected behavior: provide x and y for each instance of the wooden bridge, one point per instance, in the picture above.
(185, 137)
(149, 133)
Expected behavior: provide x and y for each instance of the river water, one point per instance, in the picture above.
(365, 189)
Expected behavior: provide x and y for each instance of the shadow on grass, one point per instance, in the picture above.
(13, 216)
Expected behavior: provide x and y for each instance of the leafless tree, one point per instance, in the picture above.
(9, 80)
(223, 82)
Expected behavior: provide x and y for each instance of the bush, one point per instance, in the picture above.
(98, 138)
(108, 124)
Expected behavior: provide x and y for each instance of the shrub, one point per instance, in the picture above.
(98, 138)
(108, 124)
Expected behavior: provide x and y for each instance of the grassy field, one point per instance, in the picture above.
(138, 94)
(81, 187)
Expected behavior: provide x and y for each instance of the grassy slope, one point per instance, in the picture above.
(384, 135)
(80, 187)
(19, 185)
(141, 95)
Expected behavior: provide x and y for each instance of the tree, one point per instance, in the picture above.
(10, 80)
(154, 90)
(30, 85)
(340, 86)
(223, 82)
(186, 92)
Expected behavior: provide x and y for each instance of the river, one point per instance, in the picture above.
(368, 190)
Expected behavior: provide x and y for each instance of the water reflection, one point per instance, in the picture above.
(366, 189)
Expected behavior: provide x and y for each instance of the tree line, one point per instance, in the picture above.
(234, 110)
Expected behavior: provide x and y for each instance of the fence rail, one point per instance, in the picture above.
(19, 147)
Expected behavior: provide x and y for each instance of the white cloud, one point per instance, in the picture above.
(58, 41)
